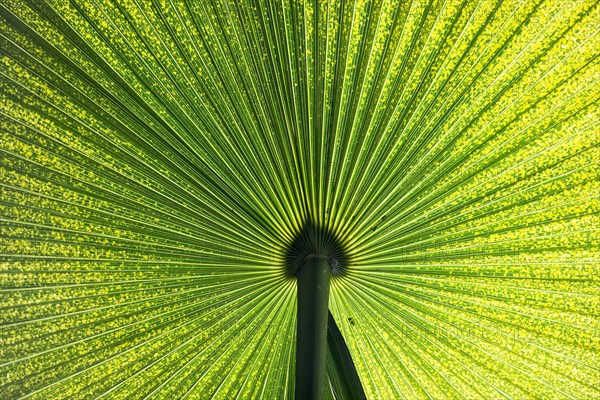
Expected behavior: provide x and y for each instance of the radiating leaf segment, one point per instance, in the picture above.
(159, 159)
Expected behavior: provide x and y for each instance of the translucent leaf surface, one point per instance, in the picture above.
(158, 158)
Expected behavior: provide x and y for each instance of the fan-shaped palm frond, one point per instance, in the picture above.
(166, 166)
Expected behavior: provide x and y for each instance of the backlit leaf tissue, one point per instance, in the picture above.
(159, 158)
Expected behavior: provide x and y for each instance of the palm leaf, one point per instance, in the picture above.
(344, 380)
(162, 161)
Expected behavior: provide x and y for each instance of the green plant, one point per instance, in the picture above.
(167, 166)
